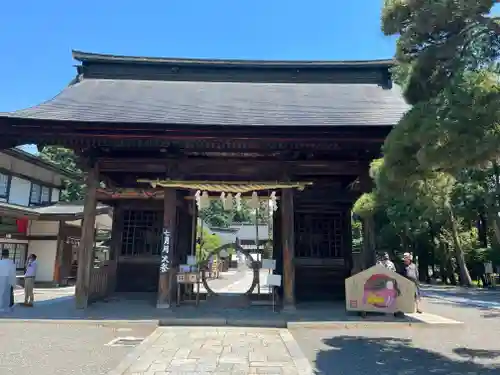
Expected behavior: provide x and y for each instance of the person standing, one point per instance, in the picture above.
(411, 273)
(387, 263)
(7, 281)
(29, 280)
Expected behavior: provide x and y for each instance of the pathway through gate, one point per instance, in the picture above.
(233, 278)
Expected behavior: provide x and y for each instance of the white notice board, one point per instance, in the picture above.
(268, 264)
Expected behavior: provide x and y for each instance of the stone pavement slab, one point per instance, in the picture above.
(65, 349)
(210, 350)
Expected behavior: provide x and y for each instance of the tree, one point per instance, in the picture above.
(437, 40)
(446, 53)
(65, 158)
(416, 212)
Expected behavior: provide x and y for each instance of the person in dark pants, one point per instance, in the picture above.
(411, 273)
(7, 281)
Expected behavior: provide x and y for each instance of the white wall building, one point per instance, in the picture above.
(31, 218)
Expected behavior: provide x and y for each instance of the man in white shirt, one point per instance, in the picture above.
(29, 280)
(7, 281)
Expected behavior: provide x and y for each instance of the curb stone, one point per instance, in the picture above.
(271, 323)
(134, 355)
(301, 362)
(282, 323)
(77, 321)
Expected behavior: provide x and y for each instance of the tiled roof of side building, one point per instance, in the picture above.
(37, 160)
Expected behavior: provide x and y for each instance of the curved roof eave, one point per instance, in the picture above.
(109, 58)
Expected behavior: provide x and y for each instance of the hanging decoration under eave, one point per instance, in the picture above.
(228, 203)
(254, 201)
(230, 192)
(234, 187)
(205, 200)
(273, 203)
(197, 198)
(237, 199)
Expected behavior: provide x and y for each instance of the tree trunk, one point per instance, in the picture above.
(450, 272)
(423, 261)
(482, 228)
(459, 253)
(369, 245)
(494, 207)
(442, 271)
(432, 256)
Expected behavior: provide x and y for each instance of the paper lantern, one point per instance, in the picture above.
(22, 225)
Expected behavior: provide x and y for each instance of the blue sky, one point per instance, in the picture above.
(36, 37)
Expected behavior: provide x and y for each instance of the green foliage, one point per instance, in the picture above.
(206, 244)
(65, 158)
(437, 39)
(216, 216)
(366, 205)
(357, 235)
(436, 180)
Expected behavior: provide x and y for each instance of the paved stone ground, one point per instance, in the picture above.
(64, 349)
(237, 281)
(203, 350)
(472, 297)
(469, 349)
(46, 294)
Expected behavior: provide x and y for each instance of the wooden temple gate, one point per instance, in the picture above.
(129, 119)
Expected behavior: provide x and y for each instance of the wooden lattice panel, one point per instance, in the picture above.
(319, 235)
(142, 233)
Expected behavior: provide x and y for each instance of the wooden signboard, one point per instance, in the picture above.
(378, 289)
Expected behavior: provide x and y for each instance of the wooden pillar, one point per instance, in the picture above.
(166, 285)
(368, 251)
(58, 263)
(347, 242)
(85, 250)
(115, 245)
(288, 248)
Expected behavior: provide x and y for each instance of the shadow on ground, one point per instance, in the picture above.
(141, 307)
(359, 355)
